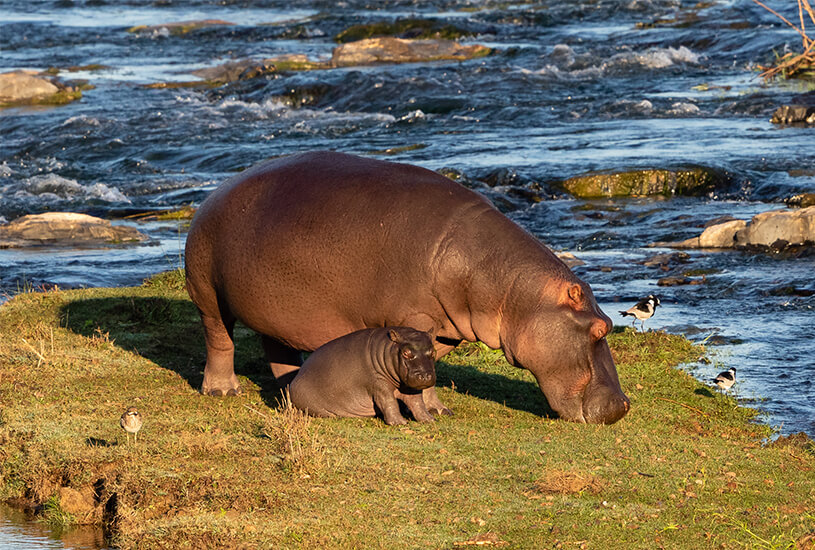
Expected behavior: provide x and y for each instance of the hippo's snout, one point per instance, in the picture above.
(421, 380)
(605, 405)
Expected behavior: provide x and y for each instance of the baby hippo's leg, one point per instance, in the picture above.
(415, 403)
(386, 402)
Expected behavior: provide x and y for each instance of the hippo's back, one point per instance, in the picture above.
(310, 247)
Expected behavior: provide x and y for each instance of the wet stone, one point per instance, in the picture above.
(803, 200)
(794, 114)
(679, 280)
(691, 181)
(667, 259)
(396, 50)
(65, 229)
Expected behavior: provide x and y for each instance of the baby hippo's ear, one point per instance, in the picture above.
(393, 335)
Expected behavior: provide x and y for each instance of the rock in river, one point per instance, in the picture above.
(794, 114)
(692, 180)
(397, 50)
(29, 88)
(64, 229)
(776, 229)
(771, 228)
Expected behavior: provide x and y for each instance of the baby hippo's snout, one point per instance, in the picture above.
(422, 378)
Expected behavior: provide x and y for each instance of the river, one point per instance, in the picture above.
(571, 87)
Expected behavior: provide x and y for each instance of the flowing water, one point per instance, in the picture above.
(572, 87)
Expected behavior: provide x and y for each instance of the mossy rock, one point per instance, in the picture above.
(20, 88)
(693, 180)
(402, 28)
(803, 200)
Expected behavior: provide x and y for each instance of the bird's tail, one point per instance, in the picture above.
(625, 313)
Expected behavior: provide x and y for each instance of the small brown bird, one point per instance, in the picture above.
(131, 422)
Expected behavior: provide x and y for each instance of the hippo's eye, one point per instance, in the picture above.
(407, 354)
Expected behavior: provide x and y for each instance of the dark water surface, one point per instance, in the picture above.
(17, 532)
(572, 87)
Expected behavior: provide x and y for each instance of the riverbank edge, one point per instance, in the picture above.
(686, 468)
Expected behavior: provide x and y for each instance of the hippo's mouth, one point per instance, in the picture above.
(596, 405)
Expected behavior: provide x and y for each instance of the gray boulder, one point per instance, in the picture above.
(65, 229)
(18, 86)
(775, 228)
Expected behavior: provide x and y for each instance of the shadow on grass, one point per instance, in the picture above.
(516, 394)
(96, 442)
(703, 392)
(168, 332)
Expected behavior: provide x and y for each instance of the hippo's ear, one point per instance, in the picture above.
(393, 335)
(574, 295)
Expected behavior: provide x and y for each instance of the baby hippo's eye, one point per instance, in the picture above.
(407, 354)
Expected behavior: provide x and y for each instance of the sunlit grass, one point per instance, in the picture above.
(687, 468)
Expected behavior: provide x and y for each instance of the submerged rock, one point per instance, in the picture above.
(29, 88)
(178, 28)
(570, 259)
(65, 229)
(401, 28)
(694, 180)
(398, 50)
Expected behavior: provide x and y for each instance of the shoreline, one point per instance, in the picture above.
(687, 468)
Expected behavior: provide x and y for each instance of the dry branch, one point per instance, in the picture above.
(791, 63)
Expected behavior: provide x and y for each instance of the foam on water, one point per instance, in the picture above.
(48, 190)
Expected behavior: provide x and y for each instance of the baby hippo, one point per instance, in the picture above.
(367, 371)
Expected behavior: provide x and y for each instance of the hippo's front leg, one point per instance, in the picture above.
(432, 402)
(415, 403)
(388, 405)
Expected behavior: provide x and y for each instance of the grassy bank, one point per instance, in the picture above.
(685, 469)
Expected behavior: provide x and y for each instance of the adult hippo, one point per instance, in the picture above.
(307, 248)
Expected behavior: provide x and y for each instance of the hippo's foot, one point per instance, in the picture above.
(433, 404)
(395, 420)
(221, 388)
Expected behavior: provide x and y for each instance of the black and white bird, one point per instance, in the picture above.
(131, 422)
(642, 310)
(725, 380)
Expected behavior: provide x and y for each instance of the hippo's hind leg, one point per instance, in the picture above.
(283, 360)
(219, 373)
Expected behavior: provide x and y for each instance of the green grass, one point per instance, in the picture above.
(687, 468)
